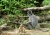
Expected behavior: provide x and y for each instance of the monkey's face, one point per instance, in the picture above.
(29, 13)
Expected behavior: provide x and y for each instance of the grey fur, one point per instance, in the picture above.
(32, 23)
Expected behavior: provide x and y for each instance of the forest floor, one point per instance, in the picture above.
(42, 31)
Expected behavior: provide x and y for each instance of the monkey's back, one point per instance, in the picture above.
(33, 20)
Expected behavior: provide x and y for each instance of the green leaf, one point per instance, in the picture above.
(1, 5)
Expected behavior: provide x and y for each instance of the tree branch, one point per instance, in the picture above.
(36, 8)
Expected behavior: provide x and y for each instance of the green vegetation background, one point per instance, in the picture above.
(12, 7)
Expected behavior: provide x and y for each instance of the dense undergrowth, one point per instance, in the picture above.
(12, 7)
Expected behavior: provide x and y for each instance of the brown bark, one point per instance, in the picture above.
(36, 8)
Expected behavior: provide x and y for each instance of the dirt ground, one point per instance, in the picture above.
(42, 31)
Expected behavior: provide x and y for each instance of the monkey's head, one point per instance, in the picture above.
(29, 13)
(21, 25)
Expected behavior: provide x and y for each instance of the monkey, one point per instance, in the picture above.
(32, 21)
(21, 28)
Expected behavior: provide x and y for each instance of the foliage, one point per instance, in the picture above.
(9, 19)
(12, 7)
(46, 2)
(2, 21)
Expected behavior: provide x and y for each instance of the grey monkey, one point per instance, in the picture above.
(32, 21)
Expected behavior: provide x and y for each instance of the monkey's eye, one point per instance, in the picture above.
(28, 12)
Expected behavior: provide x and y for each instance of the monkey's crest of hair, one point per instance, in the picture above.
(21, 28)
(21, 25)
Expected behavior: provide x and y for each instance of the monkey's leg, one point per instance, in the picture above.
(29, 26)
